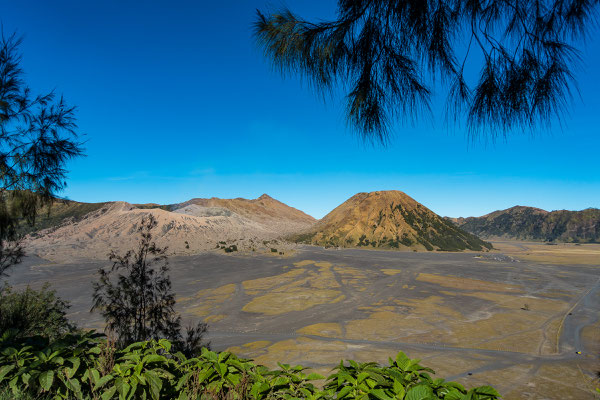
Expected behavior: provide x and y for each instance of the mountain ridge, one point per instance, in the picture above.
(186, 228)
(531, 223)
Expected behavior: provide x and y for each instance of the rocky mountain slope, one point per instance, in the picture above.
(528, 223)
(263, 210)
(186, 228)
(59, 212)
(388, 219)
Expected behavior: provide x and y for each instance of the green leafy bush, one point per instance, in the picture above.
(35, 365)
(84, 366)
(34, 312)
(402, 379)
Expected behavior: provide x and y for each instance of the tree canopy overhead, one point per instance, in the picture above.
(388, 55)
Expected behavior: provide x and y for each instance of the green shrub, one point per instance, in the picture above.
(230, 249)
(76, 366)
(34, 312)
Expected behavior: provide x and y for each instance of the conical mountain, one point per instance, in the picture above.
(389, 219)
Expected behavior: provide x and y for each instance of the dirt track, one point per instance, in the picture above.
(480, 319)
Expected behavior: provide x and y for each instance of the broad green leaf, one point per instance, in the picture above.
(282, 380)
(344, 392)
(456, 385)
(102, 381)
(95, 375)
(14, 384)
(71, 371)
(399, 389)
(255, 390)
(419, 392)
(221, 368)
(362, 376)
(487, 390)
(153, 358)
(454, 394)
(183, 381)
(155, 384)
(109, 393)
(46, 378)
(380, 394)
(117, 369)
(438, 382)
(5, 369)
(223, 356)
(346, 377)
(371, 382)
(165, 344)
(132, 391)
(204, 375)
(122, 387)
(74, 386)
(233, 378)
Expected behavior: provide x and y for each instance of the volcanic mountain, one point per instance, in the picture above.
(264, 210)
(528, 223)
(187, 228)
(388, 219)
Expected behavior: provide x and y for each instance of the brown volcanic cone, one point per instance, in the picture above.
(389, 219)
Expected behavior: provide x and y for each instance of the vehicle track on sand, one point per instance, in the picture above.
(571, 330)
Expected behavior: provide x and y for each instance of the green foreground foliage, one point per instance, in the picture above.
(88, 366)
(34, 312)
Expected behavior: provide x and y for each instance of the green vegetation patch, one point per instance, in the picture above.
(58, 213)
(88, 366)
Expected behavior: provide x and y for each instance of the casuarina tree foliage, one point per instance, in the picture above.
(136, 299)
(37, 138)
(388, 54)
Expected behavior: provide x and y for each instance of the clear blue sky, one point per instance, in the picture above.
(178, 102)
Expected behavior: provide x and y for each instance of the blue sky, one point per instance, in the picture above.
(176, 102)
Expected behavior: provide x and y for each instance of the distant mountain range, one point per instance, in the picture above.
(529, 223)
(72, 230)
(388, 219)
